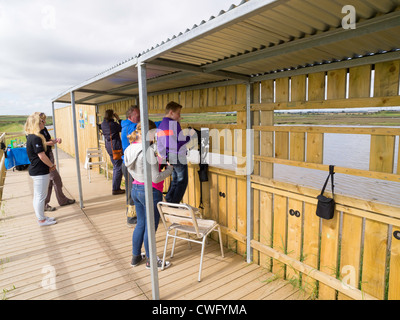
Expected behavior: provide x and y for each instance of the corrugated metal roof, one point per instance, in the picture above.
(257, 37)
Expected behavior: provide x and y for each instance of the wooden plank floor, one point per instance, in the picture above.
(86, 255)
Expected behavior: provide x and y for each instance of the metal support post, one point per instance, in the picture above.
(78, 169)
(144, 119)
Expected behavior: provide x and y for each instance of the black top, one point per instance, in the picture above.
(34, 146)
(46, 134)
(111, 129)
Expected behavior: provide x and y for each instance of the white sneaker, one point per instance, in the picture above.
(47, 223)
(50, 219)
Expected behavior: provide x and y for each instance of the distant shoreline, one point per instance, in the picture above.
(10, 123)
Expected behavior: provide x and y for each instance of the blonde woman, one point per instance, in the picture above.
(133, 158)
(55, 178)
(40, 166)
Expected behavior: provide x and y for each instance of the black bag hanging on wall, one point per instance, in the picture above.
(325, 205)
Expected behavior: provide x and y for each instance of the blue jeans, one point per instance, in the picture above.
(178, 184)
(140, 233)
(117, 173)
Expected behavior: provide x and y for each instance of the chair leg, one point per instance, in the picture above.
(165, 252)
(189, 243)
(173, 244)
(201, 257)
(89, 174)
(220, 242)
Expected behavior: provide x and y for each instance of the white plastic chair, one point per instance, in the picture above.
(182, 217)
(95, 153)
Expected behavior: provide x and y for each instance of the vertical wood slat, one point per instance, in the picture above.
(311, 244)
(282, 90)
(329, 254)
(315, 147)
(231, 95)
(241, 212)
(256, 122)
(298, 88)
(279, 233)
(294, 232)
(374, 258)
(297, 146)
(222, 213)
(265, 237)
(267, 91)
(336, 87)
(350, 251)
(382, 153)
(231, 209)
(213, 196)
(360, 82)
(193, 187)
(221, 96)
(282, 145)
(188, 99)
(257, 224)
(196, 99)
(212, 96)
(203, 98)
(266, 119)
(206, 197)
(387, 79)
(316, 86)
(394, 275)
(241, 120)
(267, 143)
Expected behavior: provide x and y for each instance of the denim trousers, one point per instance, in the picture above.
(140, 235)
(128, 191)
(178, 184)
(117, 173)
(40, 187)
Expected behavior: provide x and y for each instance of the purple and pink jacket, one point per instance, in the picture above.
(170, 138)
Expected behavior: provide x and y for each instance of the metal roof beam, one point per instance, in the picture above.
(104, 93)
(173, 76)
(381, 23)
(355, 62)
(192, 68)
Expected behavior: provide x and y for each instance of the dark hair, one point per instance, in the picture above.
(172, 106)
(109, 115)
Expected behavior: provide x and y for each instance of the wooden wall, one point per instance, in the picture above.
(87, 136)
(357, 246)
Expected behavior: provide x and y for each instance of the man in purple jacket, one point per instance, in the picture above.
(171, 144)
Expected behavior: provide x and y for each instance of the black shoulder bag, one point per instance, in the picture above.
(326, 206)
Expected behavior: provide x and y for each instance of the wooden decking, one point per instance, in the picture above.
(86, 255)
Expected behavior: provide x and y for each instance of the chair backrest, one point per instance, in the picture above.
(181, 214)
(94, 153)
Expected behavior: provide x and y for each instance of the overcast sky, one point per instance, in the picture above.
(49, 46)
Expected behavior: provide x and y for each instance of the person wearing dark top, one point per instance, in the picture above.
(127, 127)
(55, 178)
(111, 130)
(40, 166)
